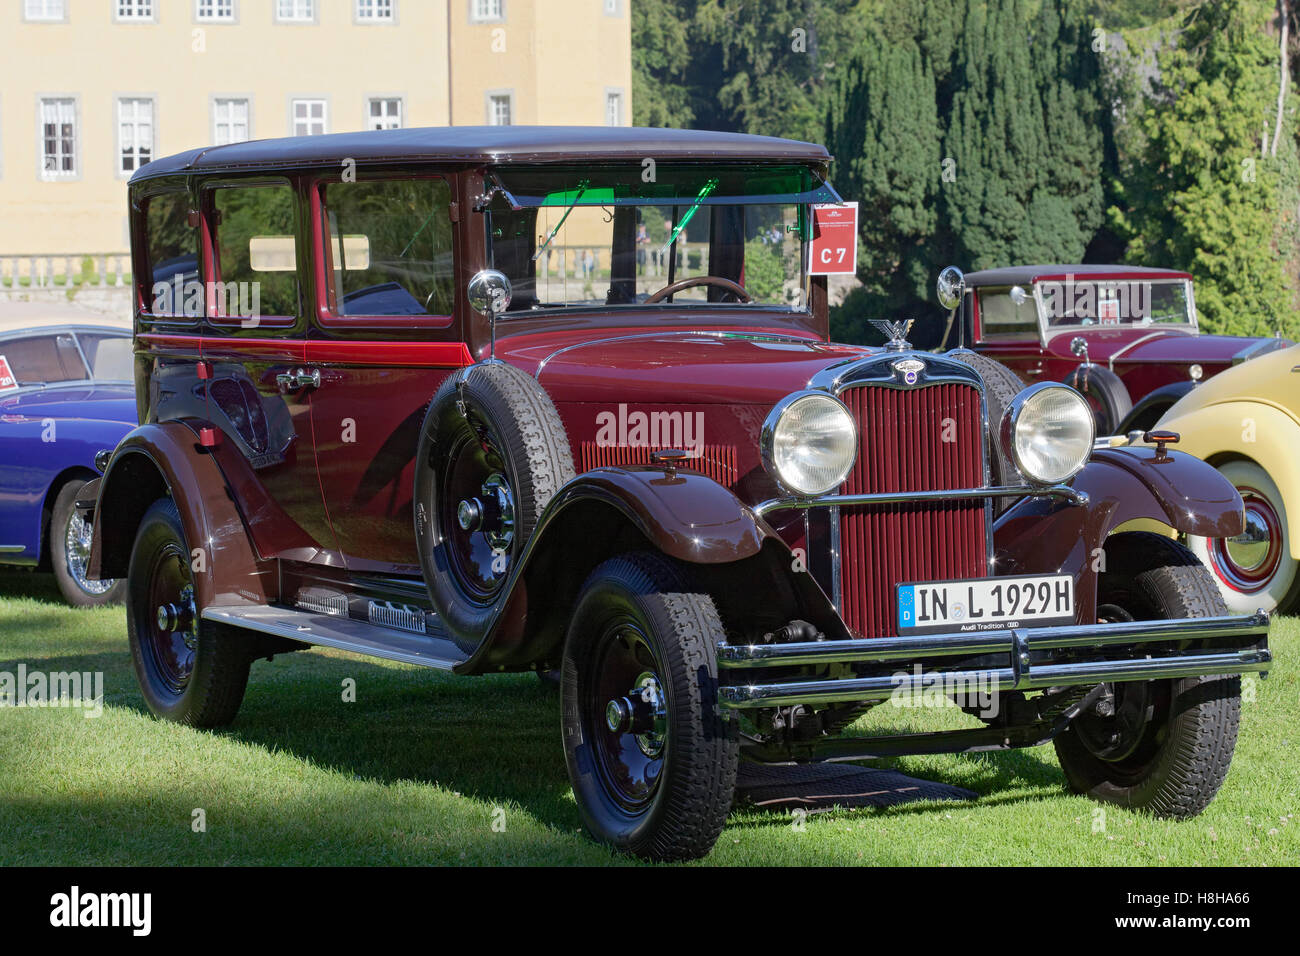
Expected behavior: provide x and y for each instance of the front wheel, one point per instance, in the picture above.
(1254, 569)
(1164, 745)
(652, 763)
(69, 550)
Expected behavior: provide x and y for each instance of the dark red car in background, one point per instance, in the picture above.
(1126, 337)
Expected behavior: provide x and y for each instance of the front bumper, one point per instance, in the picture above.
(1035, 658)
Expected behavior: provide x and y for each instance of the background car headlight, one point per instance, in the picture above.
(1048, 431)
(809, 443)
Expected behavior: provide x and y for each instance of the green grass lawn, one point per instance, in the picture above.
(422, 765)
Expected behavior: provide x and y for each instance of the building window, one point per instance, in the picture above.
(135, 9)
(48, 10)
(134, 133)
(384, 113)
(218, 11)
(499, 109)
(58, 138)
(229, 121)
(614, 109)
(309, 117)
(374, 11)
(295, 11)
(485, 11)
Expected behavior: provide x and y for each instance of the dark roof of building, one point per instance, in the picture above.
(485, 144)
(1018, 275)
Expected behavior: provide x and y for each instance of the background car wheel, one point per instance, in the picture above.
(1001, 386)
(69, 544)
(1106, 394)
(652, 763)
(492, 454)
(1254, 569)
(1164, 745)
(190, 671)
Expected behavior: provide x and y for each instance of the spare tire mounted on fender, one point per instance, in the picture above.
(492, 453)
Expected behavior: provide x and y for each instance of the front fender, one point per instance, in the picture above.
(1154, 403)
(1123, 484)
(166, 459)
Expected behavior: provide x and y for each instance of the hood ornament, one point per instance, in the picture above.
(910, 369)
(896, 332)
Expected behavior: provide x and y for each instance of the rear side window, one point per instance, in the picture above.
(388, 247)
(109, 356)
(256, 252)
(1002, 318)
(171, 246)
(44, 359)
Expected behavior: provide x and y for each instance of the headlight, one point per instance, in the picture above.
(1048, 431)
(809, 443)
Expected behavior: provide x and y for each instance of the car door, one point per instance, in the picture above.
(383, 338)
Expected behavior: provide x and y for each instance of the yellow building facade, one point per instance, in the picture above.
(92, 89)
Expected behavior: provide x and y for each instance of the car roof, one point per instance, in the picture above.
(1016, 275)
(484, 144)
(14, 326)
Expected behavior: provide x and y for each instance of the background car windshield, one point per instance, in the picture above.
(610, 236)
(1135, 302)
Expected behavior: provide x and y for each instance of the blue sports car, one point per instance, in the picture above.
(66, 394)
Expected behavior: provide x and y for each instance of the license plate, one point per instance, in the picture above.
(985, 604)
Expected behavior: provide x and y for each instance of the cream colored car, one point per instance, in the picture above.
(1246, 422)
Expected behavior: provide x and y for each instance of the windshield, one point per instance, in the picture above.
(1119, 303)
(572, 237)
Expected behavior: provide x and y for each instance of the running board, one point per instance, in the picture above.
(345, 634)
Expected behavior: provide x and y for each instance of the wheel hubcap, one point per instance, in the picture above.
(76, 550)
(172, 636)
(478, 515)
(1247, 562)
(627, 717)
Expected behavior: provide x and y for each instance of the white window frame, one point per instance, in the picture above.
(295, 15)
(45, 11)
(217, 101)
(385, 115)
(491, 97)
(614, 94)
(135, 99)
(58, 175)
(368, 12)
(309, 120)
(478, 12)
(214, 8)
(137, 11)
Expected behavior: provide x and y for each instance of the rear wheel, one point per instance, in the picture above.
(69, 550)
(651, 760)
(1165, 745)
(190, 671)
(1254, 569)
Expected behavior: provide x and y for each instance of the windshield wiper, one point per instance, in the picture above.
(582, 188)
(707, 188)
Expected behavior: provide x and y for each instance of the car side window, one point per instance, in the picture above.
(388, 247)
(109, 356)
(255, 252)
(44, 359)
(171, 247)
(1002, 318)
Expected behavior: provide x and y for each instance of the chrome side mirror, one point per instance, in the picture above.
(950, 287)
(489, 294)
(1018, 295)
(1079, 346)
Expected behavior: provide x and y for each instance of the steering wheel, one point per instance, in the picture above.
(674, 287)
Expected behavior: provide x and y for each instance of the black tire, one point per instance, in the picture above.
(1167, 746)
(638, 611)
(197, 673)
(500, 422)
(68, 540)
(1104, 391)
(1001, 386)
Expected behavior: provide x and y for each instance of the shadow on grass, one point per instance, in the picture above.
(20, 583)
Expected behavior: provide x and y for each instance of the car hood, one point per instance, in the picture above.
(677, 367)
(1270, 378)
(101, 402)
(1156, 346)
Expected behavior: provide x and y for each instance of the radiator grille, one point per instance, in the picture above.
(716, 461)
(911, 440)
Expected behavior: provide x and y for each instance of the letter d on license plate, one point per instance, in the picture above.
(985, 604)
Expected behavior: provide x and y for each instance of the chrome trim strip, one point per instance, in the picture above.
(942, 494)
(944, 645)
(837, 583)
(11, 548)
(1110, 362)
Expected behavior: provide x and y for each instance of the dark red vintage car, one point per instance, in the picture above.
(1126, 337)
(513, 399)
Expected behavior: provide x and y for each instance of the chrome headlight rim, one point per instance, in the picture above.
(767, 440)
(1012, 417)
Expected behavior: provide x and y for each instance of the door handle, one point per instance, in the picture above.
(298, 379)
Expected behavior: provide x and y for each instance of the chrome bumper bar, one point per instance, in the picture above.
(1064, 492)
(1018, 674)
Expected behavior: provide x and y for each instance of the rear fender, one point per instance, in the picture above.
(1040, 535)
(166, 459)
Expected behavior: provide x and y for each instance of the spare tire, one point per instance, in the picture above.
(1106, 394)
(491, 455)
(1001, 385)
